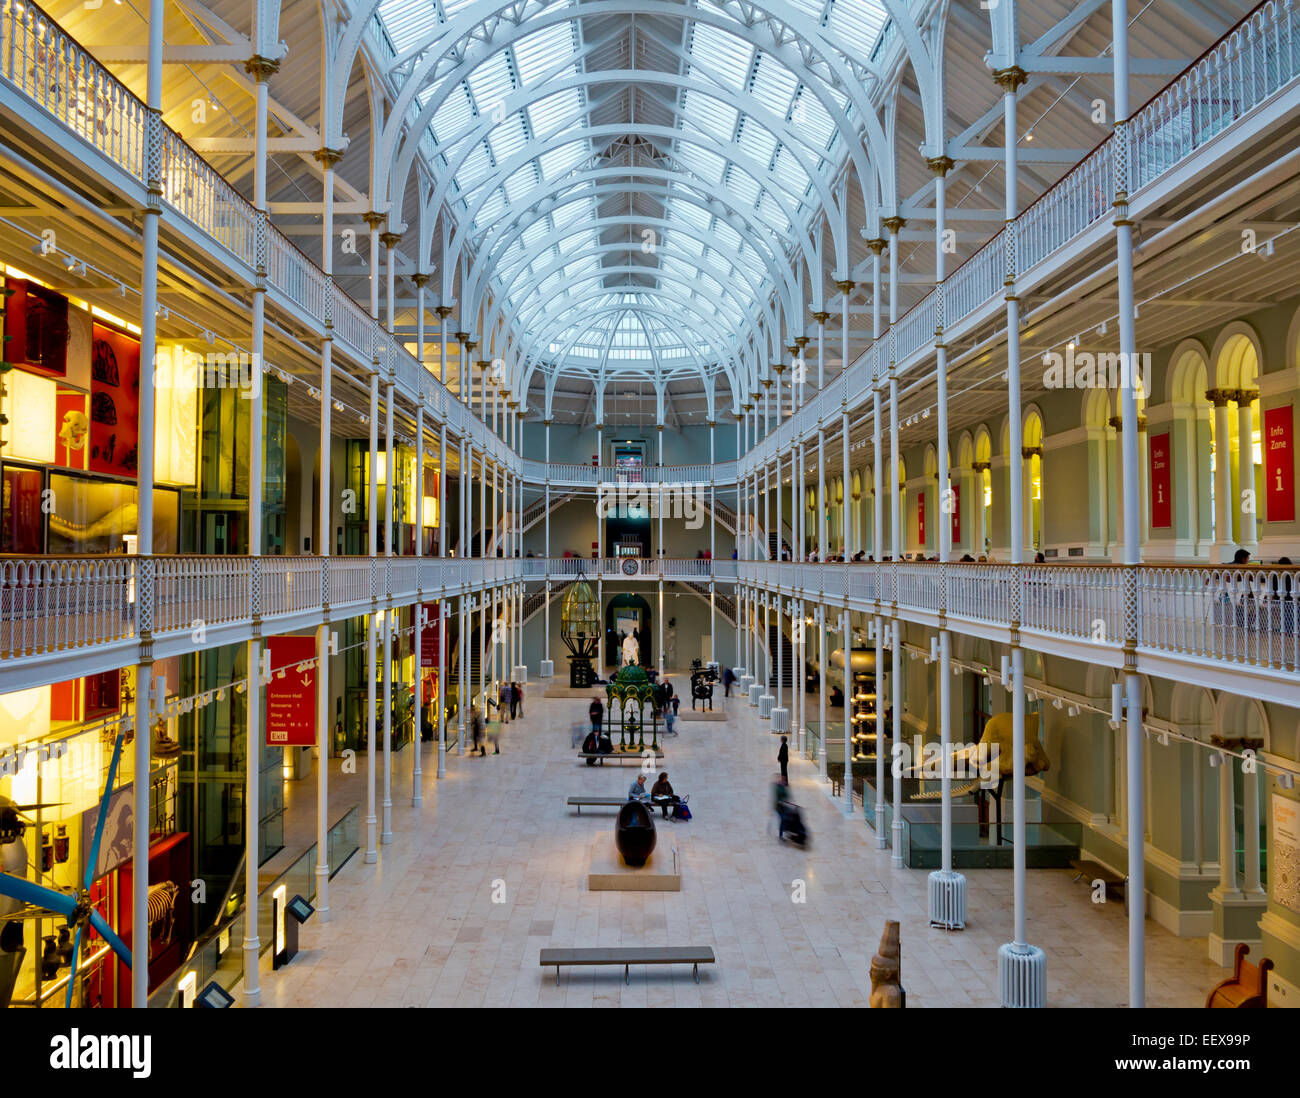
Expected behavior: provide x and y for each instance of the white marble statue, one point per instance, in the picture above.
(631, 651)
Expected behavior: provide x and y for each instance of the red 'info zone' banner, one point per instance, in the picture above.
(1162, 515)
(1279, 463)
(291, 701)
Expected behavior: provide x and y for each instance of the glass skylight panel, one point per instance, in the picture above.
(475, 168)
(743, 185)
(789, 173)
(547, 115)
(686, 244)
(535, 232)
(811, 120)
(727, 236)
(773, 84)
(409, 22)
(566, 215)
(521, 182)
(811, 9)
(756, 141)
(724, 55)
(454, 117)
(542, 51)
(689, 213)
(557, 162)
(491, 209)
(451, 7)
(709, 166)
(491, 82)
(772, 213)
(508, 138)
(705, 113)
(855, 24)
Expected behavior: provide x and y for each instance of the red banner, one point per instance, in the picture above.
(429, 635)
(956, 514)
(291, 700)
(114, 402)
(1162, 489)
(1279, 464)
(920, 519)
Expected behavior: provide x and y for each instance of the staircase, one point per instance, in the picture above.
(537, 599)
(725, 604)
(777, 636)
(773, 551)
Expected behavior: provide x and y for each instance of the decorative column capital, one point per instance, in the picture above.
(1010, 79)
(894, 224)
(1028, 452)
(1220, 398)
(328, 157)
(981, 466)
(877, 244)
(821, 317)
(390, 240)
(261, 68)
(844, 285)
(1246, 397)
(940, 165)
(421, 280)
(374, 219)
(801, 342)
(461, 337)
(766, 383)
(444, 311)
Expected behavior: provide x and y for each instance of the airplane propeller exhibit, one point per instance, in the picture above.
(75, 905)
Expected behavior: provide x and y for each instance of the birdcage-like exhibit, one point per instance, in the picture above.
(580, 631)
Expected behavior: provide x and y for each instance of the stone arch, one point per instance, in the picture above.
(1234, 367)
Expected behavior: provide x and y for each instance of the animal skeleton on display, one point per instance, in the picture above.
(21, 899)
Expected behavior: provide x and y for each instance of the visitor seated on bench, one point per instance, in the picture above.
(596, 744)
(661, 793)
(637, 791)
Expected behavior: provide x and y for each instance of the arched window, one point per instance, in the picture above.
(983, 504)
(1192, 450)
(1032, 454)
(1237, 448)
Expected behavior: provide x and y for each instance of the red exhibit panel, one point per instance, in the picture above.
(920, 518)
(956, 514)
(114, 402)
(1162, 488)
(1279, 463)
(291, 699)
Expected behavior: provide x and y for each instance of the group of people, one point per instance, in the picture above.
(510, 700)
(662, 795)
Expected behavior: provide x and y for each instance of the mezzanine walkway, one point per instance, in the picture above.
(421, 929)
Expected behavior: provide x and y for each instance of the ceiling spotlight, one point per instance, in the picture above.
(338, 406)
(1029, 135)
(1267, 249)
(1073, 711)
(1286, 780)
(70, 261)
(1101, 328)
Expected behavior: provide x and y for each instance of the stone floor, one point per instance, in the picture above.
(492, 868)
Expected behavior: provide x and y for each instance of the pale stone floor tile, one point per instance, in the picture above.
(425, 926)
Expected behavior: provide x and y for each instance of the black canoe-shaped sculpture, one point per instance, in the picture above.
(634, 833)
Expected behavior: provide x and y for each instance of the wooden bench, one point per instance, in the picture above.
(618, 756)
(1247, 987)
(628, 956)
(596, 802)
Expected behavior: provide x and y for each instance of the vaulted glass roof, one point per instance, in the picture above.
(615, 171)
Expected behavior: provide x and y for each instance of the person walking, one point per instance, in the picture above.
(476, 731)
(519, 697)
(503, 700)
(597, 714)
(727, 679)
(514, 699)
(783, 758)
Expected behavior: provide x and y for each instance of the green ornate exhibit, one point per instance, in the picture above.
(630, 693)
